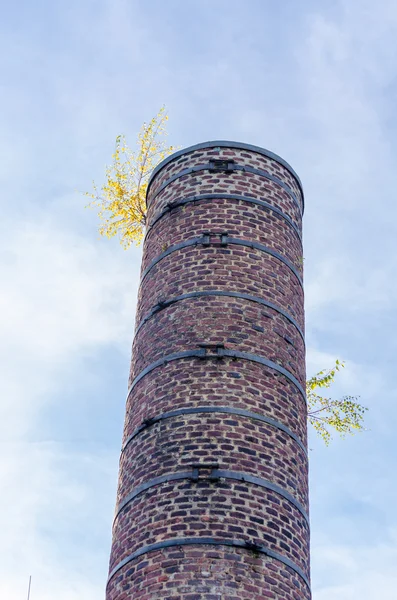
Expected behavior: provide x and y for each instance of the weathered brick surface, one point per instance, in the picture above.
(235, 383)
(243, 220)
(182, 508)
(177, 443)
(206, 572)
(235, 182)
(234, 268)
(224, 509)
(239, 324)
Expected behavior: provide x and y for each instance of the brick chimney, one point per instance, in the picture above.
(213, 486)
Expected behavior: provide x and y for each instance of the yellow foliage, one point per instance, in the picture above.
(343, 416)
(121, 201)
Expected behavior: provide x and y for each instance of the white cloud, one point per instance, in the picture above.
(355, 572)
(40, 501)
(63, 299)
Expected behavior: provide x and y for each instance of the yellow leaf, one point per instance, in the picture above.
(121, 202)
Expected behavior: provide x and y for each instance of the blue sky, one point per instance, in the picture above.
(315, 82)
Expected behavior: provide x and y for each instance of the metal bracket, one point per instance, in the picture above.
(205, 471)
(221, 165)
(252, 546)
(161, 303)
(224, 238)
(212, 350)
(206, 238)
(208, 235)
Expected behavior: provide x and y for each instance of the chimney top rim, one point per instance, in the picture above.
(226, 144)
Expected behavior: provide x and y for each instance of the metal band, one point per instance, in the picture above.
(227, 144)
(262, 248)
(242, 168)
(204, 240)
(213, 542)
(165, 303)
(262, 203)
(209, 410)
(216, 474)
(267, 363)
(221, 352)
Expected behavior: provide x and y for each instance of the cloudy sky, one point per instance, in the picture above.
(314, 81)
